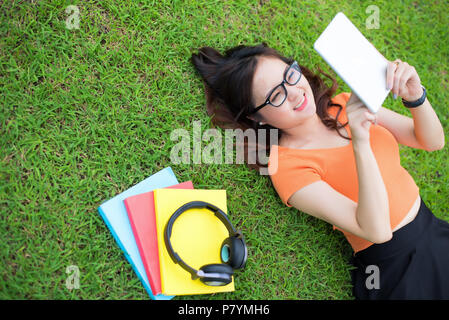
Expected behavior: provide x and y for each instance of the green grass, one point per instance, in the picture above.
(87, 113)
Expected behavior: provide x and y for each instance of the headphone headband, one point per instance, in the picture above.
(195, 205)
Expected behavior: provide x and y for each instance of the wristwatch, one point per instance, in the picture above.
(417, 103)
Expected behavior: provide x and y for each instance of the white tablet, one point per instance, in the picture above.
(355, 60)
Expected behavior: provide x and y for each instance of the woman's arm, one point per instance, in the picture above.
(373, 213)
(403, 80)
(369, 217)
(427, 127)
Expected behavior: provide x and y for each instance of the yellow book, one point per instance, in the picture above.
(197, 236)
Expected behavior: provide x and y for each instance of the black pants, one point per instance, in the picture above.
(414, 264)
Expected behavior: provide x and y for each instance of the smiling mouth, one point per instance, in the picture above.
(301, 102)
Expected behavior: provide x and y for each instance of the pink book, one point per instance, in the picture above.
(140, 209)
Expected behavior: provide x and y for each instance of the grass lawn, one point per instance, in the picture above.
(87, 113)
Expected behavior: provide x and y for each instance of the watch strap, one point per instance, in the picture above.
(416, 103)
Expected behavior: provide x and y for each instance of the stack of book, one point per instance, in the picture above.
(137, 218)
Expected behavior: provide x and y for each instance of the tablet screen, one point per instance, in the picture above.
(355, 60)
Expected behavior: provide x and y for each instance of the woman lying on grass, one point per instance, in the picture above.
(339, 162)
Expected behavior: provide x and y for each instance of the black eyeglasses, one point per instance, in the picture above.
(277, 96)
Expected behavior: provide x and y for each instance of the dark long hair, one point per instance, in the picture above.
(228, 83)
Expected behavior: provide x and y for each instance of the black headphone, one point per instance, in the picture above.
(233, 249)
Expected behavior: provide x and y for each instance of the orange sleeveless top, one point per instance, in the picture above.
(293, 169)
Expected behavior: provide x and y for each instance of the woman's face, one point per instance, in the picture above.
(270, 73)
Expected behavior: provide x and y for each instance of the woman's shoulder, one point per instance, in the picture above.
(340, 99)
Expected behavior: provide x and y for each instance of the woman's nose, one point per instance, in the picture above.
(294, 93)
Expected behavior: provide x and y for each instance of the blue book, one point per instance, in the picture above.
(113, 212)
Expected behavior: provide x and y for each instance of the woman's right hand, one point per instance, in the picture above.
(359, 118)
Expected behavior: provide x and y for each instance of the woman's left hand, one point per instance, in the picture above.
(403, 80)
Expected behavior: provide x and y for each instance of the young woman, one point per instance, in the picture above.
(348, 174)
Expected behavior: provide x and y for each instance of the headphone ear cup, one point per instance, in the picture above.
(216, 274)
(236, 249)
